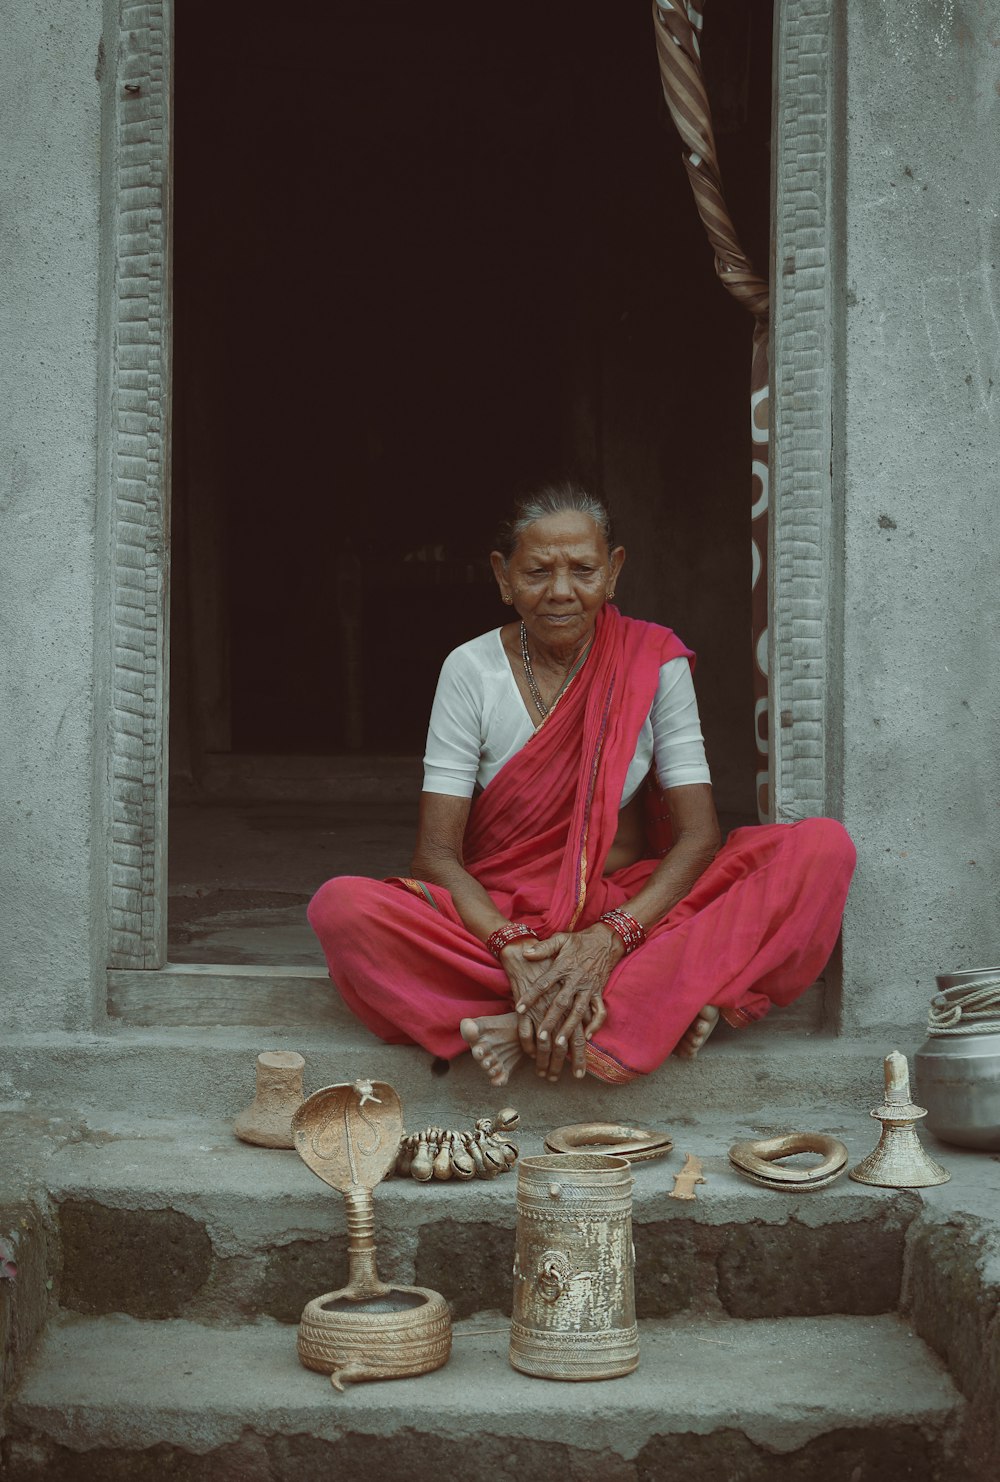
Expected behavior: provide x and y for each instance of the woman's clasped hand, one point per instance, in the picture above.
(557, 986)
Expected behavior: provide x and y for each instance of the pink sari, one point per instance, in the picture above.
(754, 931)
(539, 834)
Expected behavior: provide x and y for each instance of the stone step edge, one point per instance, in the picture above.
(203, 994)
(210, 1072)
(123, 1383)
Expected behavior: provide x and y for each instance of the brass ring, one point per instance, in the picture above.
(634, 1143)
(758, 1160)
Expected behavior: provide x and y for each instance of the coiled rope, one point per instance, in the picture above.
(972, 1009)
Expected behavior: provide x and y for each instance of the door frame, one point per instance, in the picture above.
(806, 546)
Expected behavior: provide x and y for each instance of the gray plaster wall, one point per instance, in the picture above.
(917, 453)
(51, 829)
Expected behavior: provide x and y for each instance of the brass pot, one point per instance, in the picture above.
(574, 1298)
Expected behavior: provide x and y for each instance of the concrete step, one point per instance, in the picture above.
(181, 1220)
(295, 994)
(209, 1071)
(831, 1399)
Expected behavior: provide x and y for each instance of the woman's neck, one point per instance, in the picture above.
(558, 658)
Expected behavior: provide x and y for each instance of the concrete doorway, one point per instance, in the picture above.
(454, 254)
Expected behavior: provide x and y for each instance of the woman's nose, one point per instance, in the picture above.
(561, 584)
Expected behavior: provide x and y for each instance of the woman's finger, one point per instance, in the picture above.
(556, 1013)
(598, 1015)
(538, 951)
(579, 1010)
(543, 1054)
(578, 1054)
(526, 1033)
(529, 994)
(557, 1059)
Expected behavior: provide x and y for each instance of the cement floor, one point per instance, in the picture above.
(241, 874)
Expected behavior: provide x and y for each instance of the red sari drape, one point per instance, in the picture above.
(539, 833)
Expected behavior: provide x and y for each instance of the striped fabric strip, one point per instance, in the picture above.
(677, 25)
(417, 887)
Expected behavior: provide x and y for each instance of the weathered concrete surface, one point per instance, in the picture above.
(861, 1455)
(192, 1223)
(274, 1237)
(953, 1301)
(52, 888)
(25, 1258)
(753, 1073)
(148, 1262)
(917, 447)
(117, 1384)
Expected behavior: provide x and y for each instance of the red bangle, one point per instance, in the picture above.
(504, 935)
(631, 933)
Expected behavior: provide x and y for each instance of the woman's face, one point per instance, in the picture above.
(559, 577)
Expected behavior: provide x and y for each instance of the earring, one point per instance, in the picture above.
(509, 601)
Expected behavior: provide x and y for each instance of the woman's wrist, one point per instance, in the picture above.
(629, 932)
(504, 936)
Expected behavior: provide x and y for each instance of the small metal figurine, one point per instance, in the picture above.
(687, 1178)
(267, 1121)
(440, 1153)
(899, 1161)
(349, 1136)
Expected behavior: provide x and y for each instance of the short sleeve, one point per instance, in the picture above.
(454, 735)
(678, 746)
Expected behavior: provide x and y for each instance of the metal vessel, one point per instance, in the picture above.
(574, 1295)
(957, 1069)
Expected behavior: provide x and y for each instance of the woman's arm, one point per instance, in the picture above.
(580, 963)
(438, 859)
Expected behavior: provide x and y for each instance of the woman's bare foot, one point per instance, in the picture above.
(692, 1040)
(494, 1045)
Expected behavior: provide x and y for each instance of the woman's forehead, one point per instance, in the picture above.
(570, 532)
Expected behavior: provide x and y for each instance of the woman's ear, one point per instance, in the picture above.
(615, 563)
(500, 572)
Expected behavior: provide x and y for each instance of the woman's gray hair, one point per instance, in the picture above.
(553, 499)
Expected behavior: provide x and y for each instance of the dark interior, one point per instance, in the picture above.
(426, 256)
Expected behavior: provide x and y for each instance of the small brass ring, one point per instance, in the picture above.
(758, 1160)
(637, 1144)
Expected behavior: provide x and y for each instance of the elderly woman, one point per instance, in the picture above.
(541, 921)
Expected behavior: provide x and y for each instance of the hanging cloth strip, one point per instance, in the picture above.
(678, 24)
(971, 1009)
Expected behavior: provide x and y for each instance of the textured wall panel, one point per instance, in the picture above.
(801, 408)
(140, 423)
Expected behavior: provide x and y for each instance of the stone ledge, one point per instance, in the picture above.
(209, 1072)
(116, 1385)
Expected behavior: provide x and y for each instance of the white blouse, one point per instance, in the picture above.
(479, 721)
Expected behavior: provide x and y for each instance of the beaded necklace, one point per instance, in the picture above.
(540, 704)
